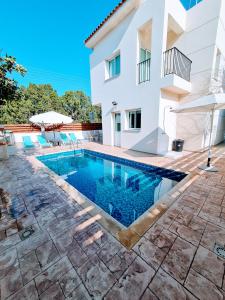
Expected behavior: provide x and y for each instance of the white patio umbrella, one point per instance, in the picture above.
(209, 103)
(50, 118)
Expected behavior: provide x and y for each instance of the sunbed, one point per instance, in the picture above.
(64, 138)
(27, 142)
(42, 141)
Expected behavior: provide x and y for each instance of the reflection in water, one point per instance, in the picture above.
(123, 192)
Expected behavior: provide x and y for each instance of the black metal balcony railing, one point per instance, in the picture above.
(175, 62)
(144, 71)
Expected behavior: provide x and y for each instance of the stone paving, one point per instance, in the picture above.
(52, 248)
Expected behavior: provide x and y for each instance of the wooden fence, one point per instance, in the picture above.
(23, 128)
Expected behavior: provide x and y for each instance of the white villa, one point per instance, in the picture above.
(150, 56)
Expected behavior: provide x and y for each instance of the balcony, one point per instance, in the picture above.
(144, 71)
(177, 70)
(175, 62)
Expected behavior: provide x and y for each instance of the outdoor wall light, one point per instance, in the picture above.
(114, 103)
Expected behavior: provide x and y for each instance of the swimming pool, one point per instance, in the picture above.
(123, 188)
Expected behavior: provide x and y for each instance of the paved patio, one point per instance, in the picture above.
(52, 248)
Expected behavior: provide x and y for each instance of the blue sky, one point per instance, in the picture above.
(46, 36)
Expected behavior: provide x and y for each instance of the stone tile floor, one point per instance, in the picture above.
(51, 248)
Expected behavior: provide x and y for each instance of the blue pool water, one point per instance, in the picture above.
(122, 188)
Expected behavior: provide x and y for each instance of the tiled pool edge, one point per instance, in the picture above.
(161, 171)
(126, 236)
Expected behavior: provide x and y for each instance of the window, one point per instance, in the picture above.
(114, 67)
(117, 122)
(144, 65)
(134, 119)
(144, 54)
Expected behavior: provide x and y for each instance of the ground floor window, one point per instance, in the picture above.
(134, 119)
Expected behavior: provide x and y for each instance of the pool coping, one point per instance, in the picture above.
(128, 236)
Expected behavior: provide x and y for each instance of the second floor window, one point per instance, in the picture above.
(144, 54)
(114, 66)
(144, 65)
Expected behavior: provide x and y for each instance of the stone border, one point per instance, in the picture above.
(126, 236)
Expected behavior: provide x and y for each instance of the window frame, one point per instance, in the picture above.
(134, 113)
(147, 53)
(113, 66)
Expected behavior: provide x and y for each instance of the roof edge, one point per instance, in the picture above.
(119, 5)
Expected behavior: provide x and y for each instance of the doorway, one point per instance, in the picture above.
(117, 130)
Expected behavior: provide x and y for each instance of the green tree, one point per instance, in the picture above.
(42, 98)
(97, 113)
(39, 98)
(77, 105)
(15, 112)
(8, 86)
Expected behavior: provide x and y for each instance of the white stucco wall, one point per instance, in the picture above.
(199, 32)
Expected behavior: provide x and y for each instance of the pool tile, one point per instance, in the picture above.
(12, 230)
(77, 256)
(79, 293)
(29, 267)
(184, 217)
(164, 240)
(109, 250)
(11, 283)
(209, 265)
(150, 253)
(28, 292)
(153, 233)
(166, 287)
(65, 242)
(128, 238)
(213, 234)
(192, 203)
(56, 227)
(96, 277)
(147, 176)
(2, 235)
(202, 288)
(47, 254)
(44, 220)
(90, 248)
(101, 237)
(119, 263)
(9, 242)
(168, 217)
(7, 261)
(32, 242)
(178, 260)
(148, 295)
(25, 221)
(133, 282)
(69, 281)
(66, 211)
(186, 233)
(53, 292)
(52, 274)
(198, 224)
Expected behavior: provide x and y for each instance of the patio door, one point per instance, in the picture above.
(117, 129)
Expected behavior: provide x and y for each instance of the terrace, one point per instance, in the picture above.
(54, 246)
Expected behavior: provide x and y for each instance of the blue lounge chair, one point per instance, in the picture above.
(42, 141)
(64, 138)
(74, 139)
(27, 142)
